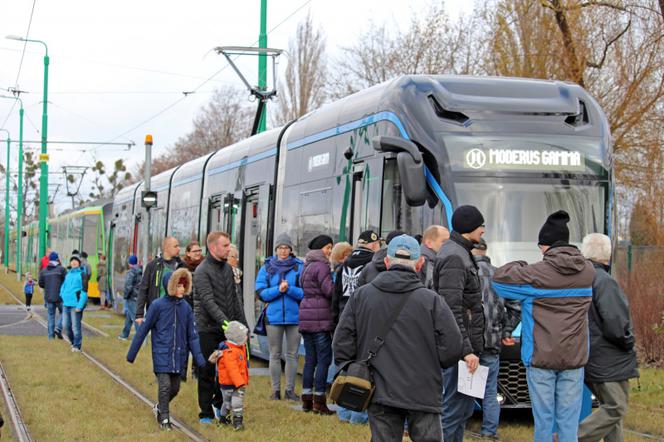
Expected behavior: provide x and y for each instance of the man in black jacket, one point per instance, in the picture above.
(348, 274)
(216, 303)
(423, 338)
(51, 279)
(459, 285)
(432, 240)
(612, 359)
(151, 287)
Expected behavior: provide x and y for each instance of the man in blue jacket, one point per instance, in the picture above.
(51, 279)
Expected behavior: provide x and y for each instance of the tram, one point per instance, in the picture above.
(399, 155)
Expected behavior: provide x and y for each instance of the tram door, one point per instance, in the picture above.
(366, 197)
(253, 252)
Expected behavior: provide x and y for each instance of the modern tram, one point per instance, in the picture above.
(399, 155)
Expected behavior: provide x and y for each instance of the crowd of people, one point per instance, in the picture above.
(445, 305)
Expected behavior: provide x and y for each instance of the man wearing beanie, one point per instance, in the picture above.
(459, 284)
(132, 282)
(555, 296)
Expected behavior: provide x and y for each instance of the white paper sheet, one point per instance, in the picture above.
(472, 384)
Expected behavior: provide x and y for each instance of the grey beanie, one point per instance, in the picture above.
(283, 240)
(236, 333)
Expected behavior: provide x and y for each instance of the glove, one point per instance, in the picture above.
(224, 326)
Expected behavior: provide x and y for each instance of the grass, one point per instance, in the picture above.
(264, 420)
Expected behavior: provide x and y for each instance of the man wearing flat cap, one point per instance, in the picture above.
(555, 296)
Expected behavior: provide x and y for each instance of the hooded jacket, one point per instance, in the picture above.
(132, 282)
(283, 308)
(612, 346)
(51, 279)
(215, 297)
(374, 268)
(232, 369)
(150, 288)
(347, 277)
(555, 296)
(74, 290)
(315, 313)
(458, 282)
(423, 339)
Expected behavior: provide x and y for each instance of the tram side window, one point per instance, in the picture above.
(90, 235)
(396, 213)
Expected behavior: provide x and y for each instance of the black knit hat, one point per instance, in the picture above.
(319, 242)
(466, 219)
(554, 229)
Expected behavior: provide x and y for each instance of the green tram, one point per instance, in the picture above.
(81, 229)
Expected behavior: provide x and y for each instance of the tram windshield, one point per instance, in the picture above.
(514, 214)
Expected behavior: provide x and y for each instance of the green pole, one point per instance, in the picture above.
(43, 179)
(5, 255)
(262, 61)
(19, 207)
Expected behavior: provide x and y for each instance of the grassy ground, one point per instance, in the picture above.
(265, 420)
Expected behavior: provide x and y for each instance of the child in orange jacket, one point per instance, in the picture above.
(233, 373)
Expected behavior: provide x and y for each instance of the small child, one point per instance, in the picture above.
(233, 373)
(171, 321)
(28, 290)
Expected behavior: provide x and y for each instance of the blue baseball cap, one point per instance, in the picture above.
(133, 260)
(404, 247)
(53, 256)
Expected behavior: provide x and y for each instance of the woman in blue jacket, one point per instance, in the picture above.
(74, 294)
(278, 284)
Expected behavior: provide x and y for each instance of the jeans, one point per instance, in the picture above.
(354, 417)
(72, 326)
(606, 422)
(275, 339)
(490, 405)
(556, 396)
(52, 327)
(130, 317)
(108, 297)
(209, 394)
(457, 407)
(168, 386)
(387, 424)
(317, 358)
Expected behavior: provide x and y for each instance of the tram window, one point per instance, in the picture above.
(315, 202)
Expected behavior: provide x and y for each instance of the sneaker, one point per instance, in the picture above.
(165, 425)
(122, 338)
(237, 423)
(290, 395)
(58, 333)
(275, 396)
(226, 420)
(28, 308)
(75, 350)
(489, 436)
(205, 420)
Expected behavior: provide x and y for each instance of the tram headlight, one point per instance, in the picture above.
(500, 398)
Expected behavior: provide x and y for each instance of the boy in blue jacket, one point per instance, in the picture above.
(74, 294)
(171, 321)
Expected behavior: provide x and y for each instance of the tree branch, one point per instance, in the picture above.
(599, 65)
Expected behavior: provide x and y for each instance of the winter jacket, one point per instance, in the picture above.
(458, 282)
(86, 268)
(555, 296)
(171, 322)
(215, 297)
(346, 280)
(423, 339)
(29, 287)
(500, 315)
(612, 347)
(429, 268)
(51, 279)
(150, 288)
(232, 369)
(283, 308)
(374, 268)
(315, 311)
(102, 276)
(132, 282)
(74, 290)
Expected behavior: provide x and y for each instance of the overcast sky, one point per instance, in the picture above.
(117, 64)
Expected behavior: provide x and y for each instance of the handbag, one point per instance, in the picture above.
(260, 328)
(353, 385)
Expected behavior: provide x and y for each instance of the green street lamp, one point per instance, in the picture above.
(19, 204)
(5, 254)
(43, 158)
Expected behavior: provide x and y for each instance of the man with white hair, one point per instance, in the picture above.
(422, 337)
(612, 360)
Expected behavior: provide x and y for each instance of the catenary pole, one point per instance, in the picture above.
(262, 62)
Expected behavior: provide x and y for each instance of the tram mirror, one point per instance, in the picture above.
(411, 167)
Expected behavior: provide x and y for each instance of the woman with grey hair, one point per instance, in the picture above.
(612, 360)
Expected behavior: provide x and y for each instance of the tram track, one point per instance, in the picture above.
(20, 430)
(177, 424)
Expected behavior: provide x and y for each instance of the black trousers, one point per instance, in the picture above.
(168, 388)
(387, 424)
(209, 393)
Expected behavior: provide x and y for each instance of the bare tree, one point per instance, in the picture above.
(304, 87)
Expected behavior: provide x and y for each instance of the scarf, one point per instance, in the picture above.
(281, 266)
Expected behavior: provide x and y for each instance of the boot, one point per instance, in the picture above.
(225, 420)
(320, 405)
(275, 396)
(307, 402)
(237, 423)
